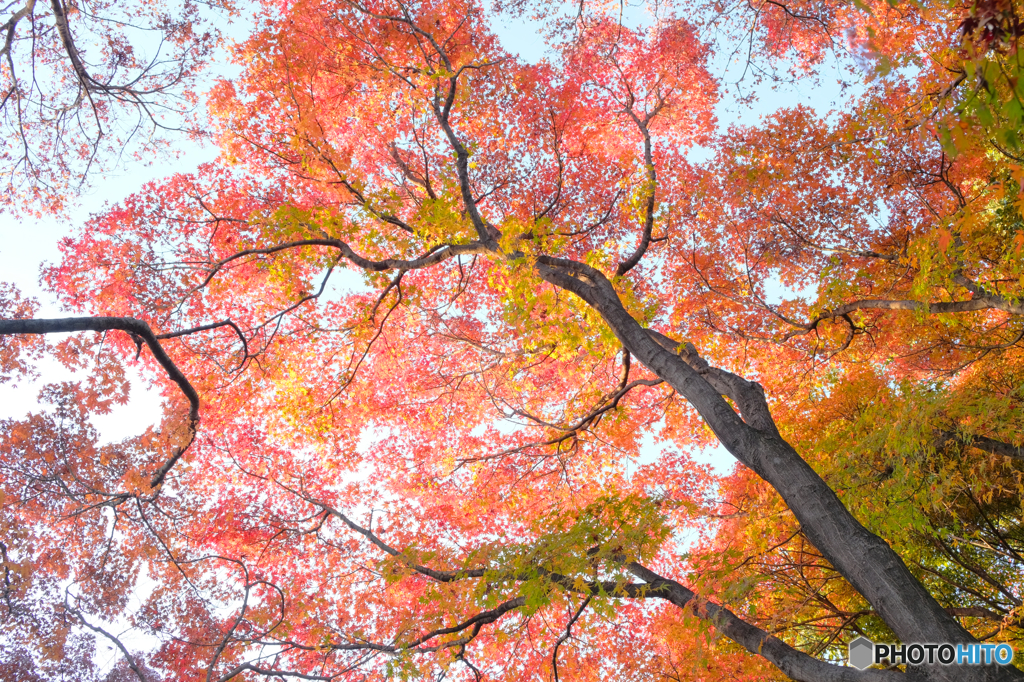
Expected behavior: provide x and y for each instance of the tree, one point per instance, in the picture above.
(444, 471)
(81, 82)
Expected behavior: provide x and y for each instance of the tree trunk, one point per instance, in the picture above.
(863, 558)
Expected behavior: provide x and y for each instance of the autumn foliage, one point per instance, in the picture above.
(444, 336)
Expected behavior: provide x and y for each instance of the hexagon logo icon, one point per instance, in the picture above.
(861, 652)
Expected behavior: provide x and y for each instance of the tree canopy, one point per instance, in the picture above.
(443, 333)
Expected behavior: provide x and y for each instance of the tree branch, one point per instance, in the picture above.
(984, 443)
(652, 180)
(113, 638)
(567, 634)
(432, 258)
(796, 664)
(139, 330)
(979, 302)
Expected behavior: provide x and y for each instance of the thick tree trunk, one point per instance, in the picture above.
(867, 561)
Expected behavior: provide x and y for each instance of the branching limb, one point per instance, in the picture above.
(254, 668)
(9, 29)
(652, 182)
(571, 432)
(433, 257)
(982, 302)
(443, 102)
(208, 327)
(796, 664)
(567, 634)
(109, 636)
(139, 330)
(609, 401)
(440, 576)
(476, 622)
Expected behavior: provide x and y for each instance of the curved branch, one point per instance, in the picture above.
(568, 433)
(208, 327)
(440, 576)
(11, 26)
(608, 401)
(477, 622)
(567, 634)
(442, 108)
(433, 257)
(140, 333)
(652, 179)
(127, 89)
(252, 667)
